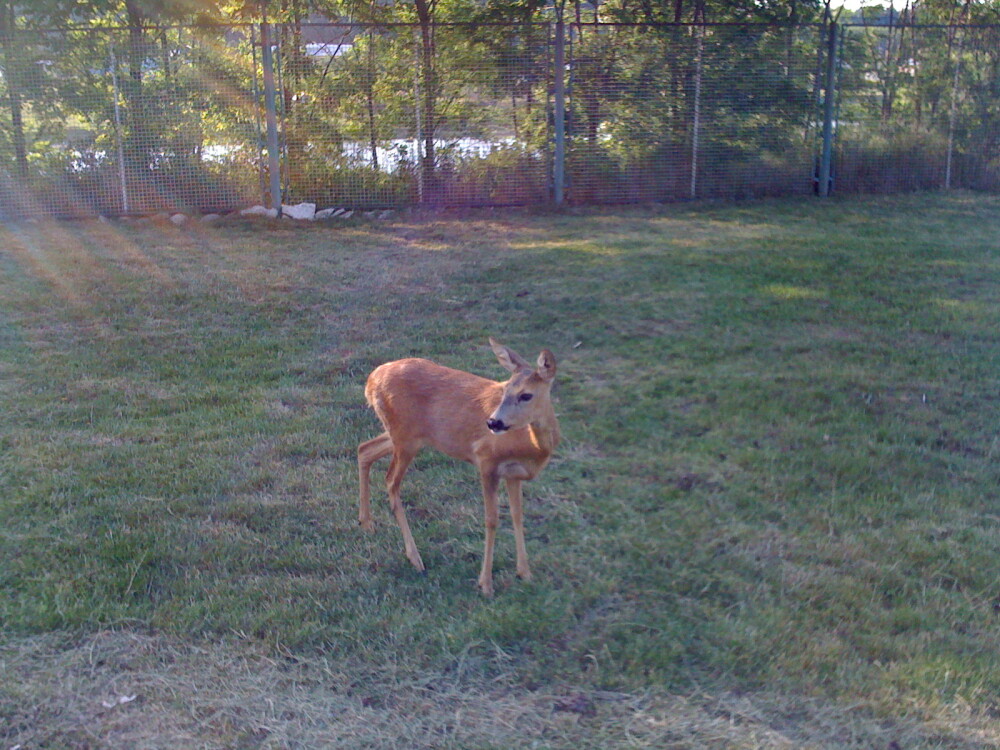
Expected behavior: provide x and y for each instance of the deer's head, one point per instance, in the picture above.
(526, 395)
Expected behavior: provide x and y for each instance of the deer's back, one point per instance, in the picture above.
(420, 402)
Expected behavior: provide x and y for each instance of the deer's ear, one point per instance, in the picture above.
(546, 365)
(509, 359)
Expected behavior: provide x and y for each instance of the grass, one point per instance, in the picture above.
(773, 521)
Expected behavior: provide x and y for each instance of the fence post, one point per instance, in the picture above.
(119, 148)
(559, 157)
(418, 150)
(696, 123)
(953, 112)
(829, 100)
(271, 116)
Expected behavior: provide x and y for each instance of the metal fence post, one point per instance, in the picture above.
(559, 157)
(953, 112)
(829, 100)
(271, 117)
(696, 123)
(119, 148)
(418, 149)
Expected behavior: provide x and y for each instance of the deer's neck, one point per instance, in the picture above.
(545, 434)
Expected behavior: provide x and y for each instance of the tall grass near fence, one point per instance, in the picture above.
(778, 481)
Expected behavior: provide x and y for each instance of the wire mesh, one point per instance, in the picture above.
(119, 121)
(106, 121)
(919, 108)
(690, 111)
(380, 117)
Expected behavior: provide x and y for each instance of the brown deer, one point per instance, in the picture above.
(506, 430)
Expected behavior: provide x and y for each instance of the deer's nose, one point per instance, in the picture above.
(496, 425)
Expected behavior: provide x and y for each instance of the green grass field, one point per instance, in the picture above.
(773, 521)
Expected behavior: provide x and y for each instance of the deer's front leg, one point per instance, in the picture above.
(490, 485)
(517, 517)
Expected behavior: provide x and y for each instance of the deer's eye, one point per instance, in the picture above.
(524, 397)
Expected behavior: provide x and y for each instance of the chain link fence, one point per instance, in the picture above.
(104, 121)
(675, 112)
(120, 121)
(918, 108)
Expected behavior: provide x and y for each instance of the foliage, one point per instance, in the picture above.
(165, 95)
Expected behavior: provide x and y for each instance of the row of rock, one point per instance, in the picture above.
(301, 212)
(177, 218)
(308, 212)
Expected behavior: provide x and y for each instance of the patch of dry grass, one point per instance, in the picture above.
(126, 689)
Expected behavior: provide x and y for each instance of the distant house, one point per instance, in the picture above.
(324, 38)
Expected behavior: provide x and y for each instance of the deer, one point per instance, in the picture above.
(508, 430)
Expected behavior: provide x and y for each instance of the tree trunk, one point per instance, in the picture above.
(425, 16)
(7, 66)
(591, 111)
(135, 38)
(138, 143)
(17, 124)
(793, 22)
(287, 65)
(370, 94)
(889, 74)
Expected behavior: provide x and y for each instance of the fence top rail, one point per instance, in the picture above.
(916, 25)
(78, 28)
(303, 25)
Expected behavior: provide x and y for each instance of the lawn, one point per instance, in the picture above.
(773, 520)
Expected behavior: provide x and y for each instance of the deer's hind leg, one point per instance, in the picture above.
(401, 460)
(368, 453)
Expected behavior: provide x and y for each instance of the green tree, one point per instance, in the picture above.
(12, 75)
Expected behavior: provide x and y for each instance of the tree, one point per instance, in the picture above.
(11, 72)
(425, 10)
